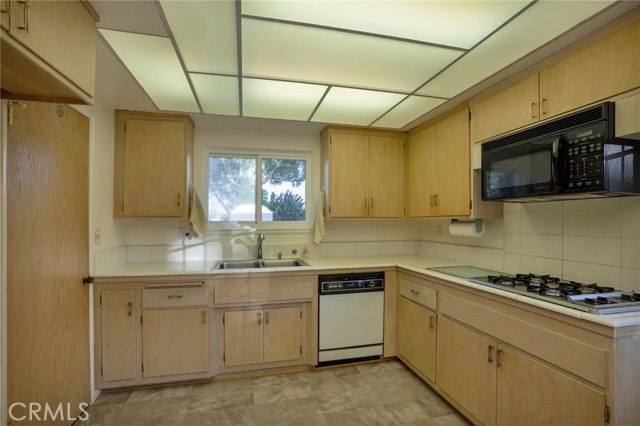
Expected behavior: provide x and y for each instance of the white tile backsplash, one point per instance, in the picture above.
(511, 221)
(540, 265)
(367, 249)
(630, 223)
(592, 223)
(591, 273)
(630, 253)
(630, 279)
(541, 245)
(592, 204)
(512, 242)
(541, 222)
(602, 251)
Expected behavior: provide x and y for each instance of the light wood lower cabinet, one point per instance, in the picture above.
(499, 385)
(417, 336)
(262, 336)
(175, 341)
(118, 327)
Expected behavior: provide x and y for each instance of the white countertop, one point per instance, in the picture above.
(412, 263)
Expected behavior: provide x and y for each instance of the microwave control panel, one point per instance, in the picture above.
(585, 152)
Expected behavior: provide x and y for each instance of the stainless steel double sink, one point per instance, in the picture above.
(259, 263)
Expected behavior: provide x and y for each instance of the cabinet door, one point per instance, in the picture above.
(154, 168)
(417, 337)
(243, 337)
(63, 33)
(514, 107)
(348, 193)
(282, 334)
(386, 176)
(530, 393)
(466, 369)
(602, 70)
(453, 171)
(175, 341)
(118, 329)
(421, 159)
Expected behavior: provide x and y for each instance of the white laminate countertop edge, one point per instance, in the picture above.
(417, 264)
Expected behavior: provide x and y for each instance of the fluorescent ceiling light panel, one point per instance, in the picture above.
(451, 23)
(410, 109)
(154, 63)
(540, 24)
(296, 53)
(280, 99)
(205, 32)
(217, 94)
(354, 106)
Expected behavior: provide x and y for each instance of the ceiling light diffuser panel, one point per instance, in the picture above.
(354, 106)
(412, 108)
(205, 32)
(451, 23)
(306, 54)
(154, 63)
(280, 99)
(217, 94)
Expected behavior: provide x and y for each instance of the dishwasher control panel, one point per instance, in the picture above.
(331, 284)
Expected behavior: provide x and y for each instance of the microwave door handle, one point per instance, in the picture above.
(555, 163)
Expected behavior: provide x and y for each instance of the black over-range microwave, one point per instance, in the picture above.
(572, 157)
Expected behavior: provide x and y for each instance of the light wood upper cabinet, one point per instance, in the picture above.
(153, 164)
(175, 341)
(363, 173)
(49, 50)
(600, 71)
(118, 327)
(262, 336)
(514, 107)
(597, 72)
(438, 177)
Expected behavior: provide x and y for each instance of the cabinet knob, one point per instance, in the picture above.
(415, 292)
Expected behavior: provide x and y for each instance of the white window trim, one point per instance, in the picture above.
(307, 156)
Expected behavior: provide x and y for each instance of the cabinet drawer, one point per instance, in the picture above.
(174, 297)
(255, 290)
(420, 294)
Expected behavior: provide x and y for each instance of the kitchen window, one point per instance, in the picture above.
(268, 190)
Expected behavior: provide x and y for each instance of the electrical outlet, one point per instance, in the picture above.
(98, 237)
(439, 231)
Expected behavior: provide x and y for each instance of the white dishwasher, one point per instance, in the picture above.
(350, 317)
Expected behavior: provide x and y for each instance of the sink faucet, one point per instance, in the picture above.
(259, 246)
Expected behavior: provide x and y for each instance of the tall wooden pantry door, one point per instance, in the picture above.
(47, 256)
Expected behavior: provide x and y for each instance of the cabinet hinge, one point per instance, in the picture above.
(606, 414)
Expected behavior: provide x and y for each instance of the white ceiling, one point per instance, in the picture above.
(361, 62)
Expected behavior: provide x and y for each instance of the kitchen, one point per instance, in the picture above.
(588, 241)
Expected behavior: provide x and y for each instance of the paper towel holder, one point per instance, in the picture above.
(479, 223)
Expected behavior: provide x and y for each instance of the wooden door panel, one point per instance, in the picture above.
(532, 394)
(348, 193)
(154, 177)
(118, 328)
(416, 340)
(175, 341)
(386, 176)
(466, 369)
(453, 171)
(243, 337)
(421, 159)
(47, 237)
(282, 334)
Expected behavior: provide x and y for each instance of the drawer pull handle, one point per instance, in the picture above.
(431, 200)
(204, 317)
(129, 309)
(8, 12)
(531, 110)
(435, 200)
(175, 296)
(431, 322)
(25, 25)
(490, 354)
(259, 318)
(544, 106)
(266, 318)
(417, 293)
(499, 358)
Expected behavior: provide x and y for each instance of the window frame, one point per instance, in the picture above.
(258, 224)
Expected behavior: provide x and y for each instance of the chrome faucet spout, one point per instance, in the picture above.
(260, 239)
